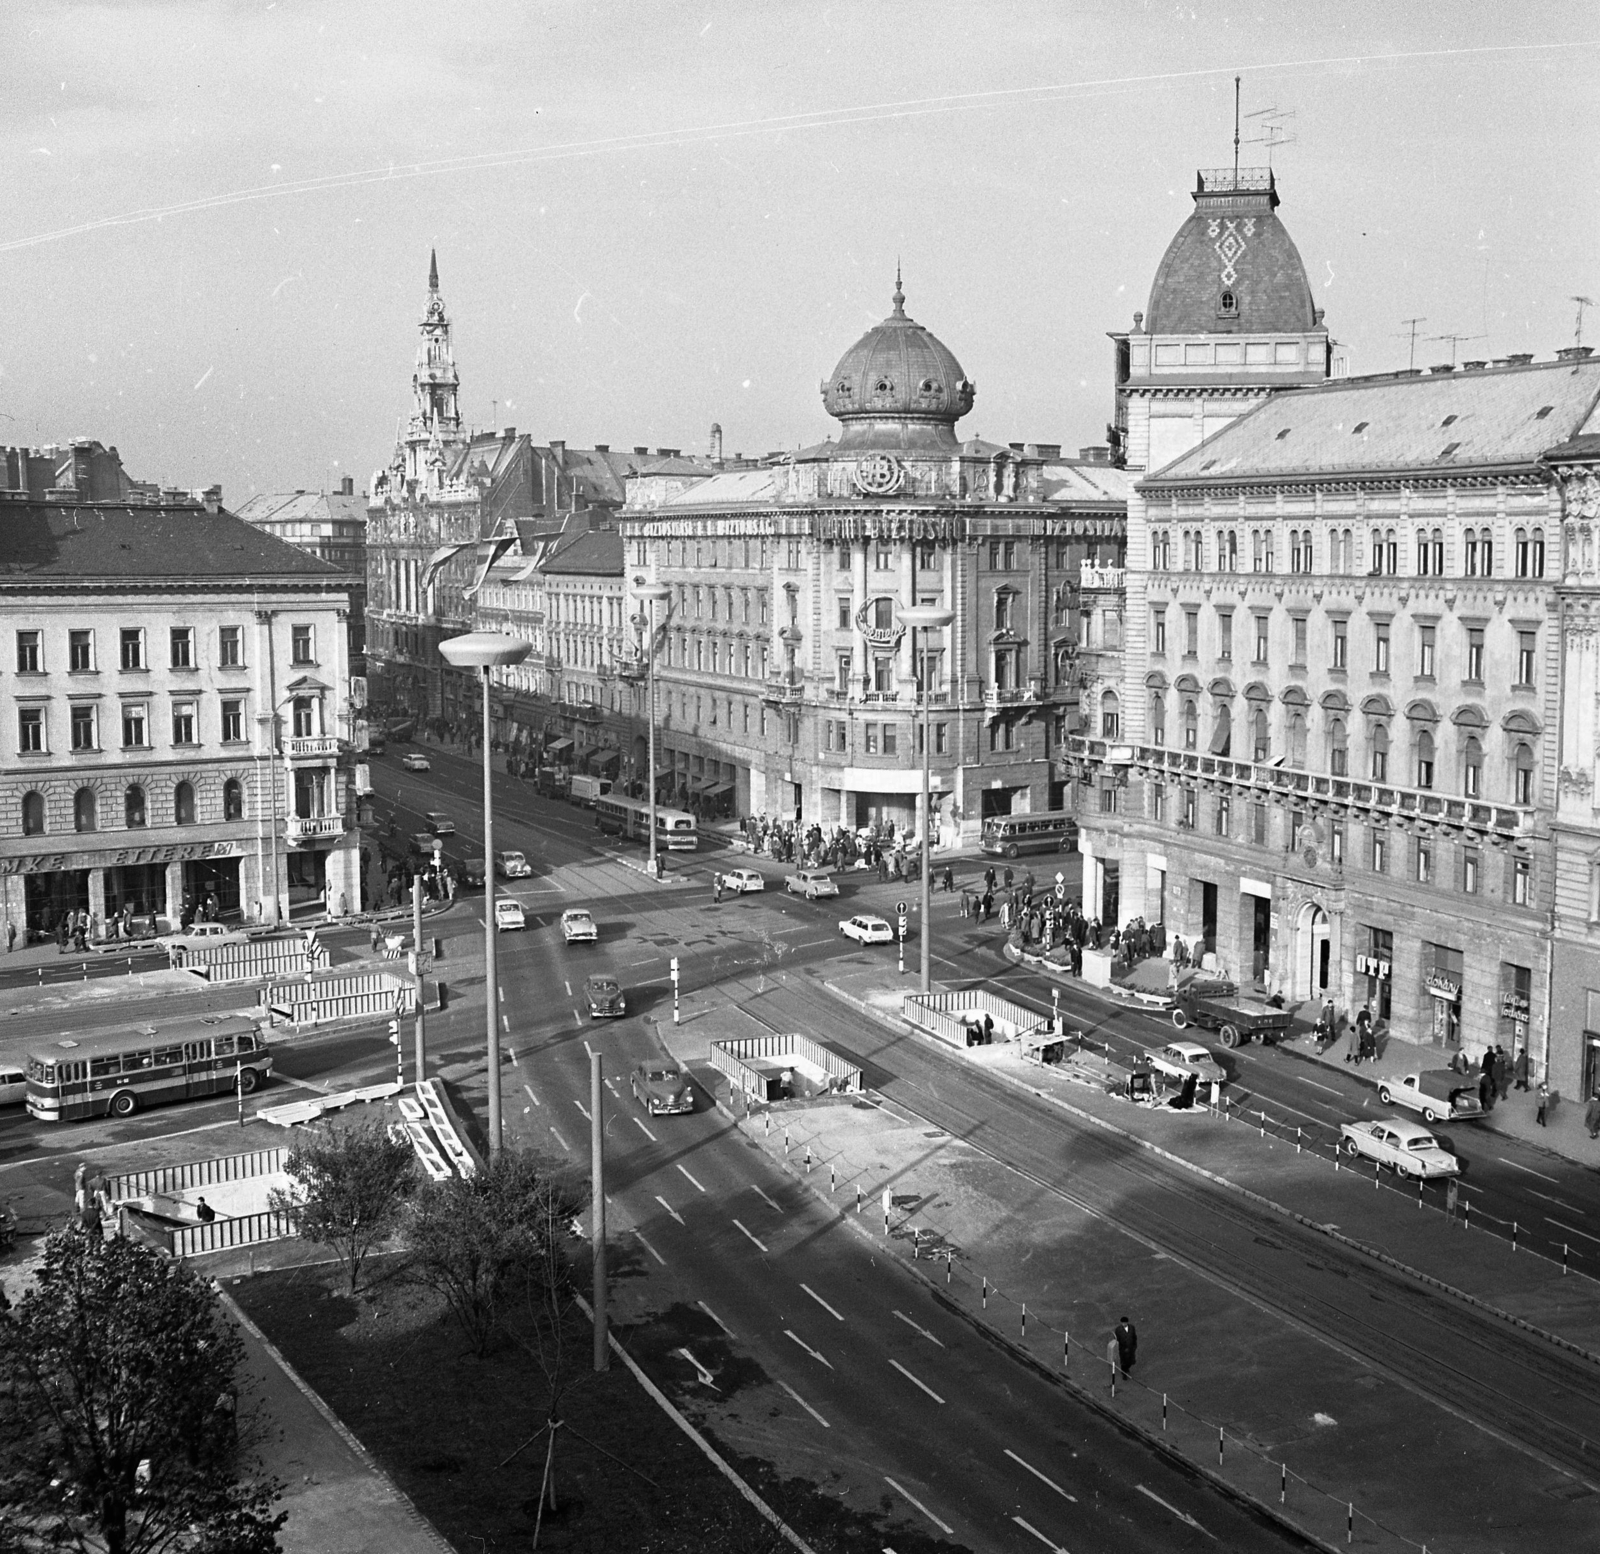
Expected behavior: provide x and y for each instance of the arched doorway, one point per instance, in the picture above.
(1313, 953)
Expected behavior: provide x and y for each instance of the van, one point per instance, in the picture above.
(586, 789)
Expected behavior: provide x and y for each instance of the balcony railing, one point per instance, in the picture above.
(305, 828)
(1092, 576)
(788, 686)
(312, 747)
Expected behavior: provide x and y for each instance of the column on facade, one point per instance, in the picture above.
(174, 882)
(97, 897)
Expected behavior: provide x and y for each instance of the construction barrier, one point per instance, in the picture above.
(949, 1016)
(755, 1063)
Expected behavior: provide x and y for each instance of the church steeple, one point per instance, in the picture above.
(434, 431)
(433, 269)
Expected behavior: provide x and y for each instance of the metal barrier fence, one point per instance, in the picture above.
(939, 1014)
(197, 1173)
(727, 1057)
(246, 962)
(337, 998)
(219, 1235)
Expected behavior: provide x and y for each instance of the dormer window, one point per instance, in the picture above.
(1228, 304)
(1542, 412)
(883, 386)
(928, 386)
(1449, 420)
(1281, 435)
(1449, 448)
(1360, 426)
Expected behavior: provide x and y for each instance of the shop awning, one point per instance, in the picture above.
(719, 790)
(605, 758)
(559, 744)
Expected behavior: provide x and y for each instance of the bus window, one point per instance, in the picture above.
(132, 1062)
(101, 1068)
(165, 1055)
(223, 1046)
(247, 1041)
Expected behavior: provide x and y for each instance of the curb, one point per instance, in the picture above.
(1250, 1194)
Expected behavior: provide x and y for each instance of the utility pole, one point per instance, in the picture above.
(416, 961)
(597, 1167)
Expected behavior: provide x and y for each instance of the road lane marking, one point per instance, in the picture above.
(650, 1249)
(905, 1494)
(805, 1405)
(912, 1379)
(702, 1375)
(757, 1241)
(577, 1019)
(1188, 1521)
(568, 987)
(764, 1197)
(811, 944)
(582, 1108)
(669, 1208)
(925, 1333)
(505, 1025)
(513, 1052)
(1329, 1088)
(588, 1050)
(611, 1087)
(790, 1333)
(531, 1096)
(1049, 1543)
(1553, 1180)
(502, 992)
(1042, 1479)
(685, 1171)
(644, 1130)
(821, 1302)
(1572, 1230)
(1558, 1203)
(561, 1141)
(715, 1318)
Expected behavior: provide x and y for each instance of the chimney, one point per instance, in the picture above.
(640, 453)
(347, 486)
(509, 434)
(1474, 366)
(716, 442)
(1015, 447)
(1442, 368)
(1099, 453)
(1574, 353)
(602, 447)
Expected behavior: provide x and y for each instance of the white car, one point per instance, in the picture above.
(1182, 1058)
(742, 881)
(415, 761)
(199, 934)
(813, 884)
(13, 1085)
(1405, 1147)
(509, 914)
(867, 930)
(578, 926)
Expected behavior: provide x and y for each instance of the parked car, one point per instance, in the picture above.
(813, 884)
(509, 914)
(1182, 1058)
(867, 929)
(1405, 1147)
(472, 872)
(1216, 1004)
(1440, 1094)
(198, 934)
(423, 842)
(415, 761)
(578, 926)
(13, 1085)
(440, 823)
(742, 881)
(512, 866)
(604, 996)
(662, 1087)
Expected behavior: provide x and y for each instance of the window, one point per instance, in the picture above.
(870, 738)
(1380, 852)
(304, 718)
(1472, 769)
(1527, 645)
(1378, 743)
(1260, 747)
(1225, 635)
(85, 810)
(1222, 731)
(1158, 802)
(1338, 748)
(1471, 547)
(1190, 807)
(28, 652)
(1380, 647)
(1296, 732)
(183, 804)
(1230, 552)
(33, 814)
(844, 611)
(1224, 814)
(132, 639)
(232, 721)
(303, 641)
(1110, 716)
(83, 728)
(1191, 633)
(30, 730)
(1000, 736)
(941, 739)
(1299, 659)
(1521, 881)
(1336, 843)
(182, 647)
(1258, 824)
(1475, 654)
(883, 559)
(1522, 775)
(1486, 544)
(1191, 731)
(927, 558)
(1261, 627)
(134, 736)
(133, 810)
(1471, 871)
(1521, 554)
(183, 723)
(1424, 759)
(1341, 645)
(80, 651)
(890, 739)
(1423, 861)
(1426, 641)
(1536, 561)
(1002, 610)
(1158, 631)
(1158, 718)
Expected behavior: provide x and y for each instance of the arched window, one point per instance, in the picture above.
(1348, 561)
(1472, 769)
(1110, 718)
(1438, 552)
(133, 813)
(1391, 553)
(1378, 744)
(1376, 566)
(1191, 725)
(1297, 740)
(1158, 718)
(1188, 551)
(1520, 556)
(1261, 747)
(1536, 565)
(233, 799)
(1470, 546)
(183, 804)
(1424, 759)
(1233, 552)
(1423, 553)
(33, 814)
(1338, 748)
(1222, 730)
(85, 810)
(1256, 550)
(1522, 774)
(1486, 545)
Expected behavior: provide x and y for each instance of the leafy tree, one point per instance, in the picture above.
(351, 1186)
(117, 1410)
(478, 1240)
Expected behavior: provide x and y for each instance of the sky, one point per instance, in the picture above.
(651, 215)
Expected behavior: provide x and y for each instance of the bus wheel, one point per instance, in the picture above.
(1011, 851)
(124, 1103)
(248, 1080)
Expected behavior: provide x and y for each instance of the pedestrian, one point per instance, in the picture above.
(1127, 1340)
(1521, 1069)
(205, 1212)
(1502, 1071)
(11, 935)
(377, 938)
(1451, 1198)
(988, 1029)
(716, 888)
(1544, 1104)
(988, 879)
(1113, 1356)
(1009, 876)
(1591, 1115)
(1486, 1089)
(949, 878)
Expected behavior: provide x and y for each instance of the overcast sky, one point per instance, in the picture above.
(653, 216)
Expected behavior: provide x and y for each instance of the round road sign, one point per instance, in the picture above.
(1061, 892)
(901, 908)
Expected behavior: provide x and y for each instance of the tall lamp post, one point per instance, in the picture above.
(484, 650)
(927, 617)
(649, 595)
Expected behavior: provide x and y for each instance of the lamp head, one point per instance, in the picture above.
(926, 617)
(484, 650)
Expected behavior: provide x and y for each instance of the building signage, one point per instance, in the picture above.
(879, 636)
(1441, 986)
(1513, 1006)
(877, 474)
(832, 528)
(1371, 966)
(122, 857)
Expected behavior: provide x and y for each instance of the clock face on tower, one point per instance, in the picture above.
(877, 474)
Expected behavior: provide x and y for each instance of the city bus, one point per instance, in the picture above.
(120, 1071)
(1009, 836)
(676, 829)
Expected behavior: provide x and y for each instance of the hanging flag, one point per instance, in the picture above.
(436, 562)
(489, 552)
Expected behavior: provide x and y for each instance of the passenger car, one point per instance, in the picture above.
(578, 927)
(1405, 1147)
(509, 914)
(512, 866)
(867, 929)
(197, 934)
(13, 1085)
(813, 884)
(604, 997)
(440, 823)
(743, 881)
(1182, 1058)
(415, 761)
(662, 1087)
(1440, 1094)
(423, 841)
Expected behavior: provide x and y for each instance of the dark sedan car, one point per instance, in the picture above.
(662, 1087)
(605, 998)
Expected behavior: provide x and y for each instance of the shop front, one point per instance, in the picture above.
(210, 887)
(1376, 968)
(52, 897)
(1442, 970)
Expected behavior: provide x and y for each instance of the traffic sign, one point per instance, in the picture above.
(902, 927)
(901, 908)
(1061, 878)
(674, 968)
(1061, 892)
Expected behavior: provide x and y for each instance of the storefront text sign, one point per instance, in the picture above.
(121, 857)
(1442, 986)
(1371, 966)
(1513, 1006)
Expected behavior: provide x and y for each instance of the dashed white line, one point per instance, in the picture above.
(502, 993)
(1555, 1181)
(584, 1109)
(790, 1333)
(1042, 1479)
(644, 1130)
(577, 1019)
(1571, 1230)
(611, 1087)
(805, 1405)
(1569, 1208)
(913, 1380)
(588, 1050)
(685, 1171)
(505, 1025)
(764, 1198)
(821, 1302)
(650, 1249)
(568, 987)
(561, 1141)
(669, 1208)
(1188, 1521)
(760, 1243)
(532, 1097)
(906, 1494)
(925, 1333)
(1315, 1085)
(715, 1318)
(1049, 1543)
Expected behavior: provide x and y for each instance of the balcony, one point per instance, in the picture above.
(997, 699)
(1092, 576)
(785, 689)
(312, 828)
(312, 747)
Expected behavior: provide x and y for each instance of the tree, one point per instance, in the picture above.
(351, 1186)
(117, 1410)
(477, 1240)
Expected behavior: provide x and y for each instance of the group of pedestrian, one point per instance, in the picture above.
(1122, 1348)
(1363, 1035)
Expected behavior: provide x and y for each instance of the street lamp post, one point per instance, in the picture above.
(649, 595)
(483, 650)
(929, 617)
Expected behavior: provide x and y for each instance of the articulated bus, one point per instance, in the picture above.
(1007, 836)
(676, 829)
(119, 1071)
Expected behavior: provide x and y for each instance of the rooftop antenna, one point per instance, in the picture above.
(1411, 324)
(1236, 132)
(494, 416)
(1455, 340)
(1274, 129)
(1583, 302)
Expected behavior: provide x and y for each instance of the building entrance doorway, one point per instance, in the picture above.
(1313, 958)
(1257, 916)
(1110, 890)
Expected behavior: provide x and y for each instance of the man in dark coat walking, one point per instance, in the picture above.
(1127, 1336)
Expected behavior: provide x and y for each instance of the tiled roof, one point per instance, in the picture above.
(303, 507)
(1442, 421)
(735, 488)
(1086, 483)
(95, 540)
(597, 553)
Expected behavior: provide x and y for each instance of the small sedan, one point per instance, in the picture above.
(423, 841)
(198, 935)
(867, 930)
(512, 866)
(604, 997)
(1405, 1147)
(509, 914)
(742, 881)
(440, 823)
(662, 1087)
(415, 761)
(1182, 1058)
(813, 884)
(578, 926)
